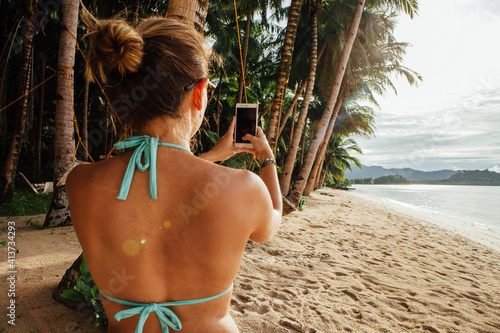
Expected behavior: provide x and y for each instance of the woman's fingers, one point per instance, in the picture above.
(230, 130)
(260, 133)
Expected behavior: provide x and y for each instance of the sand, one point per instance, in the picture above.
(344, 264)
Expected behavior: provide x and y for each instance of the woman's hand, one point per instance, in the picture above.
(224, 148)
(261, 148)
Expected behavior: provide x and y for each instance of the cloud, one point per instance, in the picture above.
(464, 136)
(482, 6)
(496, 169)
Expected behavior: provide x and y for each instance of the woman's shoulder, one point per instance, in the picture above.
(237, 184)
(86, 175)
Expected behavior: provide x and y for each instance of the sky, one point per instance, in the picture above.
(452, 119)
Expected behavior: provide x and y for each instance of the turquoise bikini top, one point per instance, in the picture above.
(166, 316)
(146, 148)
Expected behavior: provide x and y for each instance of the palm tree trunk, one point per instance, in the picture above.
(292, 127)
(326, 165)
(318, 183)
(317, 175)
(303, 145)
(295, 99)
(291, 107)
(37, 142)
(4, 24)
(134, 16)
(242, 84)
(286, 175)
(193, 11)
(283, 71)
(311, 182)
(64, 144)
(305, 170)
(4, 41)
(8, 175)
(85, 112)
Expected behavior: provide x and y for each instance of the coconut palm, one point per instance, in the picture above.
(286, 174)
(64, 144)
(338, 158)
(301, 180)
(353, 119)
(283, 71)
(191, 11)
(408, 7)
(375, 56)
(9, 171)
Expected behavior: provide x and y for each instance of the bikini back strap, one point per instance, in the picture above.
(166, 316)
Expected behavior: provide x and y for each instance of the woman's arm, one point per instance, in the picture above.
(269, 176)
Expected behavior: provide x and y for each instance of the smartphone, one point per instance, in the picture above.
(246, 123)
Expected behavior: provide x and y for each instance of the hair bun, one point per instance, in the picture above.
(115, 48)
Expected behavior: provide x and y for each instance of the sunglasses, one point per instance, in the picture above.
(210, 88)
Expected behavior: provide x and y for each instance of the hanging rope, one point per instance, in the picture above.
(55, 73)
(241, 54)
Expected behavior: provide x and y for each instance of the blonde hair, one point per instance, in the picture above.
(145, 68)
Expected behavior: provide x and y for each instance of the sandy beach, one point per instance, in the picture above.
(344, 264)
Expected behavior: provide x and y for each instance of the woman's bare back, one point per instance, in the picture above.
(185, 245)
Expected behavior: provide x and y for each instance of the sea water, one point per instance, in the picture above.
(478, 206)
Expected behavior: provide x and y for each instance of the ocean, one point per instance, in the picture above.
(477, 206)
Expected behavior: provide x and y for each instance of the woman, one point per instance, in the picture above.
(176, 231)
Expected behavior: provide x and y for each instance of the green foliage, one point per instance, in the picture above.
(337, 182)
(342, 183)
(475, 177)
(302, 203)
(362, 181)
(391, 179)
(86, 294)
(26, 202)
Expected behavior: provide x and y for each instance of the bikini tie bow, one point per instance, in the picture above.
(166, 316)
(146, 150)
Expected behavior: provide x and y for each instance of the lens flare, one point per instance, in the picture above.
(130, 247)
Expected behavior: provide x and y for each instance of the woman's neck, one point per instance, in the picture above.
(171, 130)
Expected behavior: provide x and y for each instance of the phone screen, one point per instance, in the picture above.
(246, 122)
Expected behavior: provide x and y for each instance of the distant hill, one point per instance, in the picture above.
(476, 177)
(408, 173)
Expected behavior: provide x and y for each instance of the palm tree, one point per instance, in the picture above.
(4, 41)
(338, 158)
(64, 144)
(353, 119)
(194, 11)
(9, 171)
(283, 71)
(311, 182)
(286, 175)
(134, 16)
(408, 6)
(372, 61)
(301, 180)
